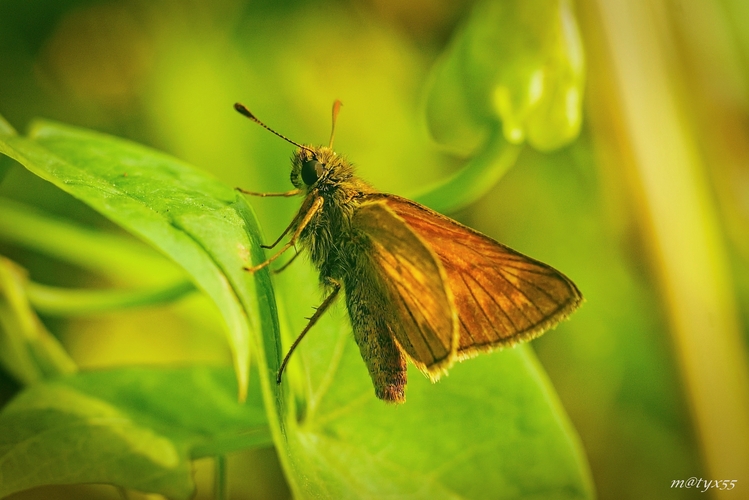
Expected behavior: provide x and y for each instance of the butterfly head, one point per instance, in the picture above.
(318, 168)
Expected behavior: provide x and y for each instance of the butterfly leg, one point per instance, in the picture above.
(293, 222)
(285, 194)
(308, 215)
(283, 268)
(293, 192)
(318, 313)
(285, 232)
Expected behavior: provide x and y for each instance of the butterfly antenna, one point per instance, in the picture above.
(336, 107)
(242, 109)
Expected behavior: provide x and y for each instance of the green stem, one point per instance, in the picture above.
(108, 254)
(27, 350)
(219, 478)
(678, 211)
(257, 437)
(476, 179)
(67, 302)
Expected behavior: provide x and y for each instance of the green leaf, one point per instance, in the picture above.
(198, 222)
(137, 428)
(201, 224)
(520, 62)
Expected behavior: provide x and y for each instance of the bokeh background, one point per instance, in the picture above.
(647, 210)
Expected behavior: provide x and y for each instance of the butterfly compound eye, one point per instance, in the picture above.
(311, 171)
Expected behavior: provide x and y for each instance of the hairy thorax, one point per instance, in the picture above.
(329, 237)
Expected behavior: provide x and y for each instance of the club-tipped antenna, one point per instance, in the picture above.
(242, 109)
(336, 108)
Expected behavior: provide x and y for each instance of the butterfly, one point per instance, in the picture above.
(419, 286)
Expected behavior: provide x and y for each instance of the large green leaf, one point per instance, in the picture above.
(134, 427)
(198, 222)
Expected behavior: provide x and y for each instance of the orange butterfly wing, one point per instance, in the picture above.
(419, 309)
(502, 297)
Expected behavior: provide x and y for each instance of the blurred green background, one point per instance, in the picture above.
(647, 210)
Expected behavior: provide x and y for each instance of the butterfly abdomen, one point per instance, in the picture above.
(369, 313)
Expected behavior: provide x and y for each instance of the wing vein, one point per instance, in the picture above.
(529, 282)
(521, 292)
(538, 270)
(465, 327)
(478, 304)
(401, 289)
(424, 310)
(426, 343)
(499, 306)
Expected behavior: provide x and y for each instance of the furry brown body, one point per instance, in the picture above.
(340, 252)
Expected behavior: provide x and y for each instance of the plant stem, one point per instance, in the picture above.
(68, 302)
(112, 255)
(474, 180)
(219, 478)
(681, 223)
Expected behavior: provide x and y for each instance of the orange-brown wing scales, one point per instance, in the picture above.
(501, 296)
(407, 303)
(424, 319)
(497, 307)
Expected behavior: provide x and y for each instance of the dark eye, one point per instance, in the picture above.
(311, 171)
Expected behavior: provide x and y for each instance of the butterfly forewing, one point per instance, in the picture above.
(501, 296)
(424, 319)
